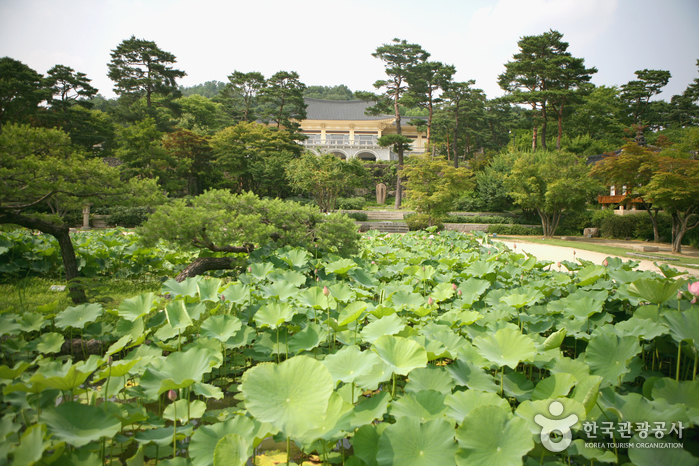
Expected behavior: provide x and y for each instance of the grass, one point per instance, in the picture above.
(684, 261)
(27, 294)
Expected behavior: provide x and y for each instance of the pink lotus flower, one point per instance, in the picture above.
(453, 286)
(430, 301)
(694, 289)
(326, 291)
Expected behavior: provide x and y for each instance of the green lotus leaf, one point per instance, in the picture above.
(468, 375)
(351, 312)
(389, 325)
(640, 328)
(78, 316)
(442, 292)
(313, 297)
(79, 424)
(363, 277)
(292, 396)
(133, 329)
(280, 289)
(117, 369)
(231, 450)
(410, 443)
(342, 293)
(517, 385)
(295, 257)
(67, 377)
(609, 355)
(490, 436)
(586, 392)
(237, 293)
(340, 267)
(184, 410)
(220, 327)
(582, 307)
(16, 370)
(685, 392)
(133, 308)
(349, 363)
(9, 325)
(206, 437)
(556, 386)
(571, 366)
(590, 274)
(243, 337)
(527, 410)
(527, 297)
(187, 287)
(425, 273)
(577, 447)
(661, 454)
(126, 413)
(31, 447)
(260, 270)
(274, 315)
(430, 378)
(684, 326)
(633, 407)
(403, 298)
(166, 332)
(177, 315)
(308, 338)
(79, 458)
(401, 355)
(162, 436)
(208, 289)
(370, 409)
(366, 442)
(655, 291)
(336, 419)
(138, 459)
(424, 405)
(506, 347)
(50, 343)
(32, 322)
(207, 390)
(380, 372)
(555, 340)
(461, 403)
(179, 370)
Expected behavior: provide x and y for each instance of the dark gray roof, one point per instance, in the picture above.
(340, 110)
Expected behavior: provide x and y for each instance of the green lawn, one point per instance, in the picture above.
(685, 261)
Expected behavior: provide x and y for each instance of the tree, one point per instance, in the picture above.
(139, 68)
(339, 92)
(601, 115)
(69, 88)
(225, 223)
(637, 93)
(633, 170)
(38, 166)
(240, 94)
(324, 177)
(427, 80)
(550, 183)
(192, 154)
(21, 91)
(202, 115)
(399, 58)
(283, 100)
(140, 147)
(461, 104)
(433, 185)
(252, 157)
(543, 74)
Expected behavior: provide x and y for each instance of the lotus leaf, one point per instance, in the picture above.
(32, 446)
(313, 297)
(490, 436)
(292, 396)
(528, 410)
(430, 378)
(366, 442)
(162, 436)
(179, 370)
(280, 289)
(351, 312)
(31, 322)
(401, 355)
(274, 315)
(177, 315)
(79, 424)
(655, 291)
(307, 339)
(342, 292)
(50, 343)
(184, 410)
(466, 374)
(237, 293)
(389, 325)
(380, 372)
(609, 355)
(231, 450)
(370, 409)
(221, 327)
(685, 392)
(349, 363)
(506, 347)
(424, 405)
(410, 443)
(684, 325)
(134, 308)
(187, 287)
(663, 454)
(340, 267)
(555, 386)
(461, 403)
(78, 316)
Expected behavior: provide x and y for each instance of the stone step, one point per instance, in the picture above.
(383, 227)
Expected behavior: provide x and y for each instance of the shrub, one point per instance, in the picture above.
(358, 216)
(518, 230)
(421, 221)
(129, 217)
(573, 223)
(351, 203)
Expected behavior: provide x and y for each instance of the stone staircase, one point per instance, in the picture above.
(386, 214)
(384, 227)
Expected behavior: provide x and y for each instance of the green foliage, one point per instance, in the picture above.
(324, 177)
(351, 203)
(340, 92)
(517, 230)
(358, 216)
(433, 185)
(21, 91)
(224, 222)
(417, 222)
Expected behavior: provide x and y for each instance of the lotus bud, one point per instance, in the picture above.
(558, 264)
(453, 286)
(430, 301)
(372, 262)
(679, 295)
(249, 269)
(605, 263)
(172, 395)
(317, 279)
(326, 291)
(515, 246)
(459, 292)
(694, 288)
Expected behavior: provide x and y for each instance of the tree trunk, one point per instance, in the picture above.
(62, 235)
(399, 131)
(560, 128)
(204, 264)
(543, 126)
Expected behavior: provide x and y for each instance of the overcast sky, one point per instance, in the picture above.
(330, 42)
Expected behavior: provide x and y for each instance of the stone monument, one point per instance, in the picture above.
(380, 193)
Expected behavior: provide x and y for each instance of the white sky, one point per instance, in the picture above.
(330, 42)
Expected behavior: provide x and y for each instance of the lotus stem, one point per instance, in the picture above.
(288, 450)
(679, 355)
(694, 371)
(174, 433)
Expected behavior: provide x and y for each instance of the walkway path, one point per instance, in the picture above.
(558, 253)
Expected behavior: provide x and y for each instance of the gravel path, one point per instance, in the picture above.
(558, 253)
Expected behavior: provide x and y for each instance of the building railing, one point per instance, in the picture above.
(348, 144)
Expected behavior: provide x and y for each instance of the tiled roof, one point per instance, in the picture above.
(340, 110)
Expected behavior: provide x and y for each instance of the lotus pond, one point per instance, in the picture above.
(422, 350)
